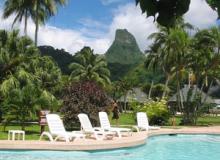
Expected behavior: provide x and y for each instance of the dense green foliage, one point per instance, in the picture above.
(28, 81)
(61, 57)
(89, 67)
(119, 70)
(180, 55)
(157, 111)
(83, 97)
(166, 11)
(139, 75)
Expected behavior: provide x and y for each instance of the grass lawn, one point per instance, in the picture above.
(129, 119)
(32, 131)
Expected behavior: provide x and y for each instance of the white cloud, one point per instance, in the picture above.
(131, 18)
(99, 36)
(200, 14)
(68, 39)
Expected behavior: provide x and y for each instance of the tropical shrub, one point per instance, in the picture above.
(90, 67)
(23, 97)
(27, 80)
(156, 111)
(20, 105)
(156, 90)
(194, 107)
(83, 97)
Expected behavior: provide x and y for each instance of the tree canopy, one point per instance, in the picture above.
(166, 11)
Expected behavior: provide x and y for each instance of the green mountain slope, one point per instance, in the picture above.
(124, 49)
(61, 57)
(123, 55)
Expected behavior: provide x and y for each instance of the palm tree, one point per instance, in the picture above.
(89, 66)
(177, 48)
(21, 9)
(26, 79)
(157, 53)
(47, 72)
(124, 86)
(38, 10)
(157, 56)
(215, 31)
(14, 51)
(205, 59)
(44, 10)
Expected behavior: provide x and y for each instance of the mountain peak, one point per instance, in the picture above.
(124, 49)
(123, 36)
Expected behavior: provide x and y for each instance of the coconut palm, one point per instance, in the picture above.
(44, 10)
(177, 48)
(215, 31)
(89, 66)
(14, 51)
(26, 79)
(157, 55)
(205, 59)
(38, 10)
(22, 10)
(125, 85)
(47, 72)
(157, 52)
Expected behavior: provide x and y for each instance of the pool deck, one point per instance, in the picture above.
(136, 139)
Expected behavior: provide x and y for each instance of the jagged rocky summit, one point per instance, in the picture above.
(124, 49)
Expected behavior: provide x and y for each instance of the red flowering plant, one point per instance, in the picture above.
(83, 97)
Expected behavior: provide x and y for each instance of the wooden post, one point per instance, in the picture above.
(43, 120)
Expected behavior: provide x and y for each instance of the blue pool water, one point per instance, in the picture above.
(178, 147)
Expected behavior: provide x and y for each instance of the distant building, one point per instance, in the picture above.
(135, 94)
(184, 93)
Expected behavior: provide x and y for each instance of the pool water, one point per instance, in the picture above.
(176, 147)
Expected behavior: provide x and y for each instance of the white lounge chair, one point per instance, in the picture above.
(87, 128)
(105, 125)
(57, 130)
(143, 123)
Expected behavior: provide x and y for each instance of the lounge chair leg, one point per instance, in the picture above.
(98, 138)
(119, 134)
(48, 135)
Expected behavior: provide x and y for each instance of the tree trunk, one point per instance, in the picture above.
(150, 90)
(166, 86)
(36, 23)
(125, 102)
(25, 23)
(178, 96)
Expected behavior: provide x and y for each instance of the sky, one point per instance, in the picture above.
(93, 23)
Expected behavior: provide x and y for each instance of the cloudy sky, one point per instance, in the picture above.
(93, 23)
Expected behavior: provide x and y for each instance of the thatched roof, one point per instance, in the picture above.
(135, 94)
(184, 92)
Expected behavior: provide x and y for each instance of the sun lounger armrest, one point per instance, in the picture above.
(136, 128)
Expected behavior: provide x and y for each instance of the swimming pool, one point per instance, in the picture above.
(177, 147)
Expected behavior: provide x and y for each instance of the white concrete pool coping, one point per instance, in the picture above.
(136, 139)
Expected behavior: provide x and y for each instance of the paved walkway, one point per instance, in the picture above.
(90, 144)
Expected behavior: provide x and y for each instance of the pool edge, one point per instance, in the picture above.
(135, 140)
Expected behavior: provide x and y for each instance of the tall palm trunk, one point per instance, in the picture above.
(36, 22)
(150, 90)
(25, 23)
(178, 91)
(125, 101)
(166, 86)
